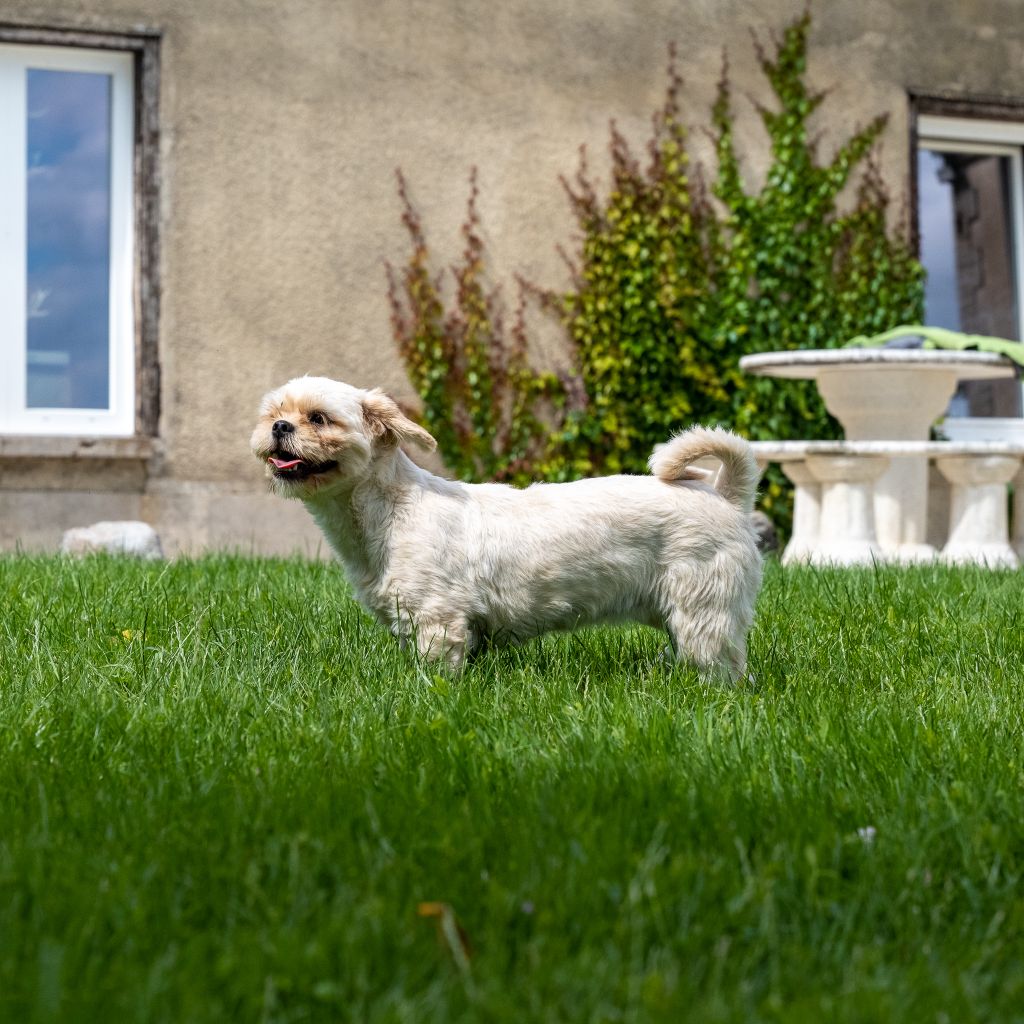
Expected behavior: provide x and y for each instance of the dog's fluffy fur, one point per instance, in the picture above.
(448, 565)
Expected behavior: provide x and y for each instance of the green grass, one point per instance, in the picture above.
(224, 793)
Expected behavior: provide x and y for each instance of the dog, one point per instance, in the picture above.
(449, 566)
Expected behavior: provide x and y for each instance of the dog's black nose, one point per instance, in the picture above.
(282, 427)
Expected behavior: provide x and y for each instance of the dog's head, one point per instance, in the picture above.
(317, 435)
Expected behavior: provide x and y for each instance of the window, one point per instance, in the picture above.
(67, 240)
(970, 191)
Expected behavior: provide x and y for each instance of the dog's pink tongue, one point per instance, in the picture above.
(282, 464)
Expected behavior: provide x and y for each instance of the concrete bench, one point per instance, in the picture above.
(835, 506)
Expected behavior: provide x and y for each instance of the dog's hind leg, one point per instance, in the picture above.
(718, 654)
(707, 619)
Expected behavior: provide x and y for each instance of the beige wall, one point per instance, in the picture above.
(282, 124)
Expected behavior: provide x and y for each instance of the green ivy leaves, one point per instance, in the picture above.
(673, 282)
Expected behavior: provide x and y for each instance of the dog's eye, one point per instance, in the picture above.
(317, 418)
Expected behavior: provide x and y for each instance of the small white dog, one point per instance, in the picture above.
(447, 565)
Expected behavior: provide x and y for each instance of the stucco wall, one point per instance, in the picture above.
(282, 125)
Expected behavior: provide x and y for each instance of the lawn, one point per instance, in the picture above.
(225, 795)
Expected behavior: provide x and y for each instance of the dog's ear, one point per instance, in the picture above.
(387, 423)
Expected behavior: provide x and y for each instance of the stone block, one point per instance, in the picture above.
(125, 537)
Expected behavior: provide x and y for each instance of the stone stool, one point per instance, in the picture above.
(1017, 540)
(803, 541)
(847, 517)
(978, 527)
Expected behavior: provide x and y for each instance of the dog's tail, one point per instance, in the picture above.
(737, 482)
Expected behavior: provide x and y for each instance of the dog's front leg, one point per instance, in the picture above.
(442, 641)
(432, 638)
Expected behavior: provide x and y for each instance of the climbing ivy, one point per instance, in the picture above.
(481, 399)
(675, 279)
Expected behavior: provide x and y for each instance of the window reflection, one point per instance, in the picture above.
(938, 241)
(966, 242)
(68, 246)
(965, 216)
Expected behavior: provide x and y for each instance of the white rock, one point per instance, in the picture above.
(129, 537)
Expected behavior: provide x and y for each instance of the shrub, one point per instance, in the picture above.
(673, 282)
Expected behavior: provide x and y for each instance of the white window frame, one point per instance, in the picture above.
(15, 417)
(997, 138)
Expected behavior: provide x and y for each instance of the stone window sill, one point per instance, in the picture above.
(22, 446)
(32, 463)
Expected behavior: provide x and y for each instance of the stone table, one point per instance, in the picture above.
(880, 394)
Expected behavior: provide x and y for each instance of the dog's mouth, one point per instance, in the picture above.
(287, 467)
